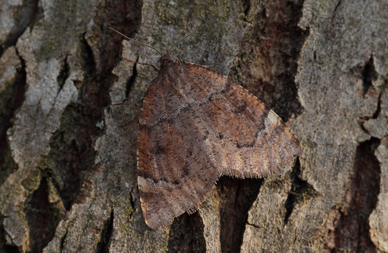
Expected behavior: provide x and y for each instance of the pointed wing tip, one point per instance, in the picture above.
(297, 144)
(156, 223)
(155, 226)
(163, 220)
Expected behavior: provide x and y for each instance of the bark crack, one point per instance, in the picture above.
(240, 194)
(63, 74)
(12, 97)
(28, 14)
(63, 239)
(132, 79)
(106, 234)
(301, 191)
(187, 234)
(352, 228)
(368, 75)
(3, 233)
(42, 216)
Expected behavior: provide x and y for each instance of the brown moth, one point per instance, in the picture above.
(195, 126)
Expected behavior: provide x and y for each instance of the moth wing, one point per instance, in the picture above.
(174, 171)
(247, 138)
(201, 127)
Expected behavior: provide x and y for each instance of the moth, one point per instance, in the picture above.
(196, 125)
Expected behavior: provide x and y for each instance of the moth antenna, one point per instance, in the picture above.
(136, 41)
(188, 35)
(145, 64)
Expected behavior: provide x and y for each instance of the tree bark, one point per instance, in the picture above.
(70, 95)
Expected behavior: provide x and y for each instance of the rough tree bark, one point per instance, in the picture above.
(70, 96)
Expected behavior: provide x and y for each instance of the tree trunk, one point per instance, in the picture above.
(71, 92)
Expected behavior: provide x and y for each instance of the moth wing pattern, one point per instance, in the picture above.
(173, 174)
(249, 139)
(197, 125)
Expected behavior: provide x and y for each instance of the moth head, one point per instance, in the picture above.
(165, 59)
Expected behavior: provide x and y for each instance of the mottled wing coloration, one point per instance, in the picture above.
(196, 125)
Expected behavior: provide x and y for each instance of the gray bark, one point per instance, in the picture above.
(70, 96)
